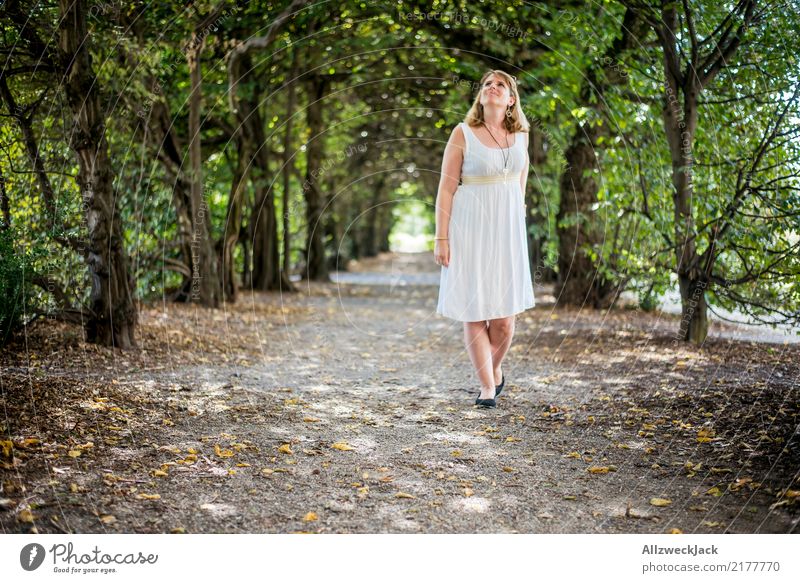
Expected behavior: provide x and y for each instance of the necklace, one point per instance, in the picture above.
(502, 153)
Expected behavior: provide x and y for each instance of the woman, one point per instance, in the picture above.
(481, 241)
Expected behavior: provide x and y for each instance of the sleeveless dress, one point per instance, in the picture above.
(489, 274)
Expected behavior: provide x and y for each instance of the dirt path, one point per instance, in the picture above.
(348, 408)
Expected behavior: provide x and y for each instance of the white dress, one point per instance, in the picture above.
(489, 274)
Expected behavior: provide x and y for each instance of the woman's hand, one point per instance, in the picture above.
(441, 252)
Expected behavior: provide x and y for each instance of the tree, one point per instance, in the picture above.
(710, 253)
(112, 314)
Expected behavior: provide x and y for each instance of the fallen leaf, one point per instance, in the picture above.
(74, 453)
(676, 531)
(660, 502)
(404, 495)
(342, 446)
(108, 519)
(285, 448)
(310, 517)
(7, 447)
(222, 452)
(149, 496)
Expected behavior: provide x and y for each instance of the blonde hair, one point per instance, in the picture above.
(516, 122)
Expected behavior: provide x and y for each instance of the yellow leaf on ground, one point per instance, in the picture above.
(108, 519)
(597, 470)
(310, 419)
(310, 517)
(342, 446)
(660, 502)
(7, 446)
(285, 448)
(222, 452)
(404, 495)
(676, 531)
(28, 442)
(149, 496)
(74, 453)
(158, 473)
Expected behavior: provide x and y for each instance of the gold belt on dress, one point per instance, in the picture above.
(490, 179)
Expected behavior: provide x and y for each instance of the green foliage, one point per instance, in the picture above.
(15, 296)
(397, 86)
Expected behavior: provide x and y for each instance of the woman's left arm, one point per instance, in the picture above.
(524, 175)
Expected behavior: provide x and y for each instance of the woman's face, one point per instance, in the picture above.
(495, 90)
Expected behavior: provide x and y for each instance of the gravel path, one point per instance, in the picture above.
(348, 408)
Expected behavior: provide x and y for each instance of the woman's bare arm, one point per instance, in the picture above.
(523, 179)
(448, 183)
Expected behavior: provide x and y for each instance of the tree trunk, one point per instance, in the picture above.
(369, 242)
(316, 265)
(233, 225)
(113, 317)
(580, 279)
(578, 227)
(288, 161)
(170, 151)
(206, 286)
(694, 310)
(680, 123)
(267, 273)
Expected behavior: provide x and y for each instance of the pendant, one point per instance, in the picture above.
(505, 174)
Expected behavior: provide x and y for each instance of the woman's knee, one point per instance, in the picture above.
(504, 326)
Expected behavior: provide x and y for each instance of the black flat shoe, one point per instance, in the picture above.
(486, 403)
(498, 389)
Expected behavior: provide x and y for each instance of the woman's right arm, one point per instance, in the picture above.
(448, 184)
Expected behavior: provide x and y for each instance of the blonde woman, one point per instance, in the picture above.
(481, 240)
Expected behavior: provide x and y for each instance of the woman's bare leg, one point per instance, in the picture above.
(476, 339)
(501, 331)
